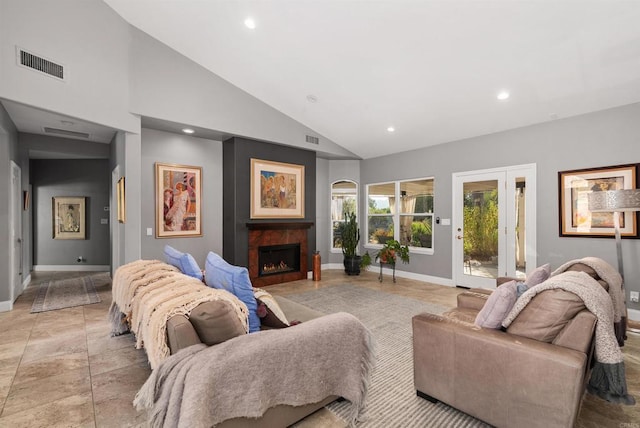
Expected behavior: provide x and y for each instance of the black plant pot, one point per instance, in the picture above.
(352, 265)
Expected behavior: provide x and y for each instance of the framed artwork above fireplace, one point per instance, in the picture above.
(277, 190)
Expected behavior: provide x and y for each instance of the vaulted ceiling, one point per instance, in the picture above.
(432, 70)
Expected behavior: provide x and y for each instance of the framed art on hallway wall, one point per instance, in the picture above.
(178, 201)
(69, 217)
(277, 189)
(574, 188)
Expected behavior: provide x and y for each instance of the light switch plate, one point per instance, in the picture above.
(634, 296)
(446, 221)
(104, 221)
(149, 231)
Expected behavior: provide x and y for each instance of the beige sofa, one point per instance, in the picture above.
(181, 334)
(140, 301)
(504, 379)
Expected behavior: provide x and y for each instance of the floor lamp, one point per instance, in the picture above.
(615, 201)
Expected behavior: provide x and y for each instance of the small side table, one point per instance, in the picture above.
(393, 266)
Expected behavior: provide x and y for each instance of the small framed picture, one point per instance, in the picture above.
(69, 217)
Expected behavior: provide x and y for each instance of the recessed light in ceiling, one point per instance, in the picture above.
(250, 23)
(391, 129)
(502, 95)
(188, 131)
(312, 98)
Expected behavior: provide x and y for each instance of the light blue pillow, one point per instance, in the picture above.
(235, 279)
(183, 261)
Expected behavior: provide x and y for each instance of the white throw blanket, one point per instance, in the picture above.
(150, 292)
(608, 374)
(243, 377)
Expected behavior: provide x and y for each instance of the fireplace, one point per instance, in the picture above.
(277, 252)
(276, 259)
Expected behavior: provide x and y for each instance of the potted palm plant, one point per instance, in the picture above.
(350, 237)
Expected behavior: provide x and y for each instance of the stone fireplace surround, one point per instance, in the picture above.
(280, 233)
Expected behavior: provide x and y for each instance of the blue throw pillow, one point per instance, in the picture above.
(235, 279)
(183, 261)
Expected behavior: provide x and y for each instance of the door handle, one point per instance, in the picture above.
(459, 237)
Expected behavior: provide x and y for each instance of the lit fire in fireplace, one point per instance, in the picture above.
(273, 267)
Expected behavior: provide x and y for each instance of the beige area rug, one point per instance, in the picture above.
(67, 293)
(392, 400)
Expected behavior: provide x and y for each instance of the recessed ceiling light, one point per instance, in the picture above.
(391, 129)
(312, 98)
(502, 95)
(250, 23)
(188, 131)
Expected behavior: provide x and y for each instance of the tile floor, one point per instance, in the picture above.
(61, 368)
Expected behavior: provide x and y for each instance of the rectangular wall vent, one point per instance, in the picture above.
(40, 64)
(65, 132)
(313, 140)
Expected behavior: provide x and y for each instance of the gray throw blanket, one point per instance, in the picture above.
(245, 376)
(610, 275)
(608, 379)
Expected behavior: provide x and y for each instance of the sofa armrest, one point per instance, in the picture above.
(473, 299)
(496, 376)
(578, 333)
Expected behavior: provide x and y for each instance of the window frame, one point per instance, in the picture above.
(333, 249)
(396, 215)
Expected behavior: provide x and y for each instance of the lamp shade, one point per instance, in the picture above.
(614, 200)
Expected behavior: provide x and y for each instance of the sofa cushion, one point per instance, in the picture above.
(546, 315)
(216, 321)
(497, 306)
(235, 279)
(269, 311)
(183, 261)
(538, 276)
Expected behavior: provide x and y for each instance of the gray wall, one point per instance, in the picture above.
(605, 138)
(92, 42)
(340, 170)
(164, 147)
(237, 179)
(79, 177)
(167, 85)
(8, 152)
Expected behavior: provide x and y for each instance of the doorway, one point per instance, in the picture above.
(494, 227)
(15, 221)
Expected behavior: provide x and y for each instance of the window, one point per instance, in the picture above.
(401, 210)
(344, 199)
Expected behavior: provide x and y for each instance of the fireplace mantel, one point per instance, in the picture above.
(277, 233)
(280, 225)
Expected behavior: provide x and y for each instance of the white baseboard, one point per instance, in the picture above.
(399, 273)
(26, 282)
(633, 314)
(6, 306)
(71, 268)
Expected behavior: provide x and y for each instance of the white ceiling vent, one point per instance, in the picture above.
(313, 140)
(65, 133)
(38, 63)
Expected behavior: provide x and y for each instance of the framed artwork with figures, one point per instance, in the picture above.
(277, 190)
(69, 220)
(178, 201)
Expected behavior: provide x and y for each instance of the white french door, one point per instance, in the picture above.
(493, 225)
